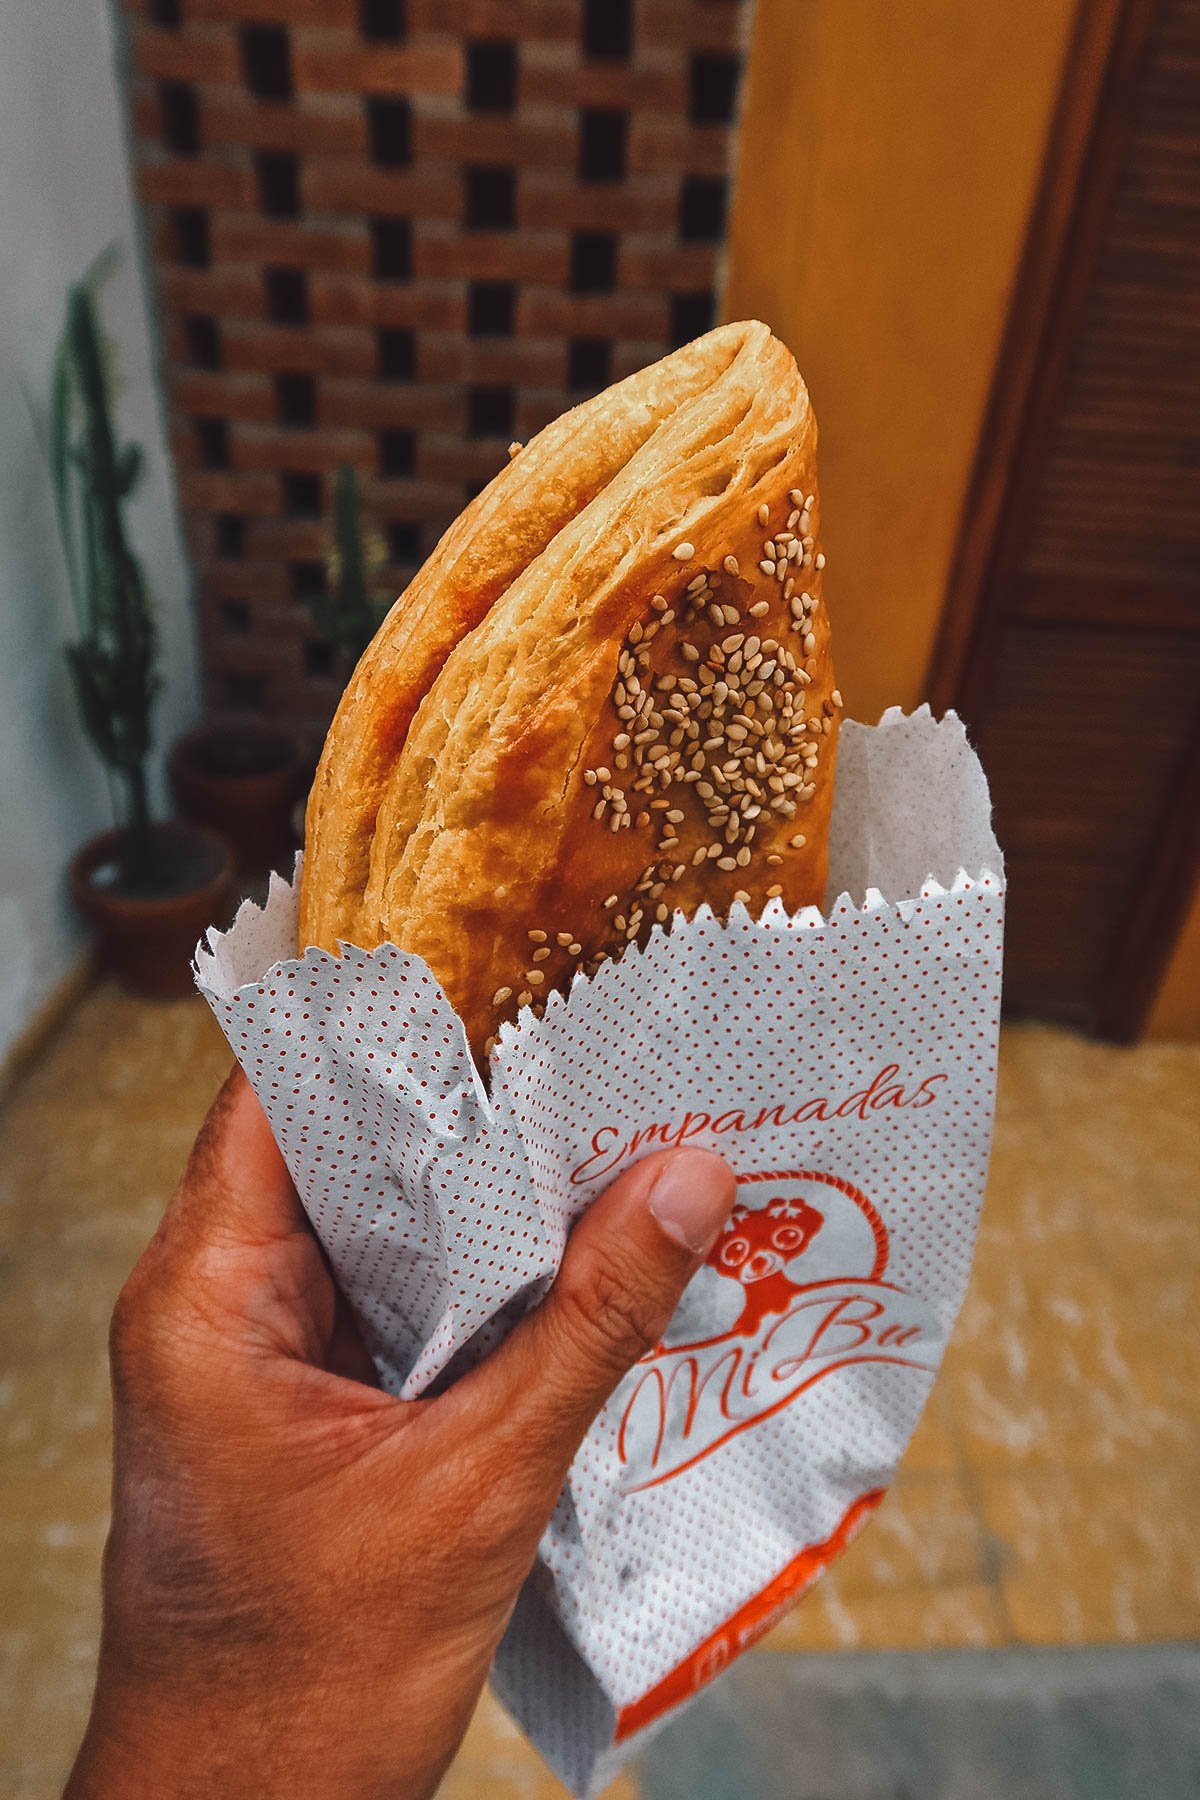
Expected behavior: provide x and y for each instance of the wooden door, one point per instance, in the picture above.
(1071, 639)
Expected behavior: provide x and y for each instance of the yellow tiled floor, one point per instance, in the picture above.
(1048, 1497)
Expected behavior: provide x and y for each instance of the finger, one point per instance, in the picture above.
(626, 1265)
(236, 1186)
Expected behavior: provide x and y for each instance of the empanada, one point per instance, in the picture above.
(606, 697)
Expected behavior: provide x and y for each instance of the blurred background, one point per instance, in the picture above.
(284, 279)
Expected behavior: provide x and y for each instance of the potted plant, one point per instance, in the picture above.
(246, 778)
(149, 888)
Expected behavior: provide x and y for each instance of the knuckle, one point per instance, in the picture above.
(610, 1315)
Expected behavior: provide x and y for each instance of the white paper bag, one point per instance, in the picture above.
(845, 1066)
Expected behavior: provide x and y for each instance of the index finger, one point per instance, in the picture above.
(236, 1185)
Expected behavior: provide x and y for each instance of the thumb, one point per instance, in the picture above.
(626, 1265)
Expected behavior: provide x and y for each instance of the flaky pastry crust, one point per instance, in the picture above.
(608, 696)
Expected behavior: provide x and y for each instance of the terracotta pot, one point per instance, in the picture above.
(146, 938)
(243, 781)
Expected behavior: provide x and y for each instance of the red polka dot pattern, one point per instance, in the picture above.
(850, 1058)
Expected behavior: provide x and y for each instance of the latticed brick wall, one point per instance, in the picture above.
(400, 233)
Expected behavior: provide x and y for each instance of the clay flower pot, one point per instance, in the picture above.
(146, 935)
(243, 781)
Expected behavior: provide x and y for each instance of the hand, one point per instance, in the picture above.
(305, 1579)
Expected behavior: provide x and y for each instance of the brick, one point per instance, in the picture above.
(288, 540)
(275, 12)
(480, 138)
(490, 256)
(227, 490)
(650, 263)
(622, 85)
(666, 146)
(340, 300)
(548, 200)
(668, 24)
(537, 407)
(332, 61)
(310, 124)
(458, 459)
(255, 581)
(203, 394)
(225, 293)
(305, 451)
(422, 498)
(630, 355)
(201, 54)
(348, 184)
(190, 182)
(549, 312)
(515, 362)
(278, 347)
(374, 405)
(547, 19)
(248, 237)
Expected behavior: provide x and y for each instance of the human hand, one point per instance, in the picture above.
(305, 1580)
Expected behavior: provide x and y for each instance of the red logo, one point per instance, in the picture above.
(799, 1282)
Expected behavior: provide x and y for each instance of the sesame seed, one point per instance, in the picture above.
(690, 652)
(764, 513)
(524, 997)
(610, 902)
(793, 517)
(768, 568)
(836, 696)
(536, 937)
(774, 892)
(535, 977)
(760, 609)
(727, 863)
(542, 954)
(741, 895)
(501, 995)
(820, 559)
(796, 497)
(658, 602)
(731, 615)
(574, 949)
(774, 860)
(589, 775)
(810, 642)
(732, 566)
(683, 551)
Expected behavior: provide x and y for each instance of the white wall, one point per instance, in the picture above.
(64, 194)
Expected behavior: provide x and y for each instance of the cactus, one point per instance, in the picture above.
(348, 614)
(112, 663)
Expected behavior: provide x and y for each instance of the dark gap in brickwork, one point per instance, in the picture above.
(492, 76)
(203, 341)
(231, 536)
(491, 308)
(287, 296)
(593, 262)
(301, 494)
(212, 435)
(192, 245)
(267, 61)
(607, 27)
(180, 111)
(397, 451)
(389, 132)
(404, 541)
(382, 21)
(589, 365)
(306, 578)
(713, 88)
(318, 657)
(166, 13)
(490, 411)
(491, 199)
(391, 249)
(471, 489)
(602, 141)
(245, 688)
(702, 209)
(235, 617)
(296, 400)
(397, 354)
(278, 173)
(691, 316)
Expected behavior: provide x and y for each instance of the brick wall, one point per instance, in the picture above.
(400, 233)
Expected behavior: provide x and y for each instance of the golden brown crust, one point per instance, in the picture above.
(616, 675)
